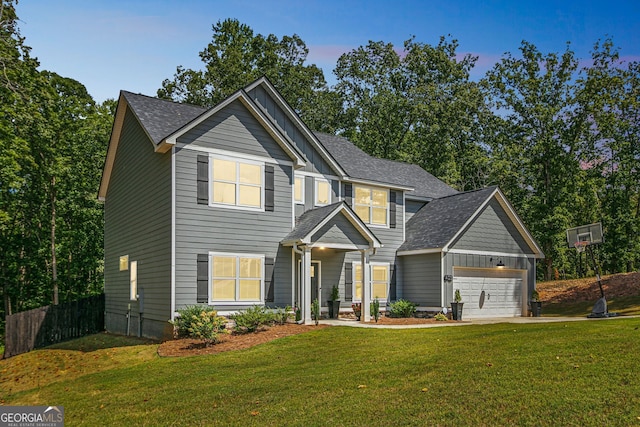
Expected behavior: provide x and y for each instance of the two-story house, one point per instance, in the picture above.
(242, 204)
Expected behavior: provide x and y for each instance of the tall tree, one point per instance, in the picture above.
(535, 157)
(417, 105)
(236, 56)
(610, 94)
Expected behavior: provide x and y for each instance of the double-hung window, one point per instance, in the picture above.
(236, 277)
(237, 183)
(323, 192)
(379, 281)
(298, 189)
(371, 205)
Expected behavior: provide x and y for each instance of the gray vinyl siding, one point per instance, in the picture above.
(493, 231)
(421, 279)
(411, 208)
(235, 129)
(201, 229)
(137, 214)
(339, 230)
(315, 161)
(331, 273)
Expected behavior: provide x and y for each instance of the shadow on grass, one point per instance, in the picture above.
(100, 341)
(627, 306)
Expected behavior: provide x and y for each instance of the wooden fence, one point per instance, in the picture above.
(52, 324)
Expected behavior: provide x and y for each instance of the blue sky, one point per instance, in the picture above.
(134, 45)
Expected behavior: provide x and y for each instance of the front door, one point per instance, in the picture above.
(316, 290)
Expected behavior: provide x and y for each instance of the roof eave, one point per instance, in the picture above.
(112, 147)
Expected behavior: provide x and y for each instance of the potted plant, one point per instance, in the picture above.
(536, 304)
(334, 303)
(357, 309)
(456, 306)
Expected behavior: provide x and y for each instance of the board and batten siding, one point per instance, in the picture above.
(200, 229)
(315, 162)
(137, 212)
(494, 231)
(421, 279)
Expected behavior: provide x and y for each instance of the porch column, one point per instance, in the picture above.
(305, 297)
(366, 289)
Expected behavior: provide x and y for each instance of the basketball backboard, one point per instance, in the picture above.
(591, 233)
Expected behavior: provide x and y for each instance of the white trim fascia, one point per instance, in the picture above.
(377, 184)
(264, 82)
(246, 100)
(235, 154)
(404, 216)
(336, 246)
(419, 251)
(318, 175)
(355, 221)
(173, 233)
(112, 148)
(488, 253)
(442, 282)
(420, 198)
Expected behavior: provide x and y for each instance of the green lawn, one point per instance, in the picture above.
(627, 306)
(573, 373)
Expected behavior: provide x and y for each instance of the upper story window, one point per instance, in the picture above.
(237, 183)
(371, 204)
(298, 189)
(323, 192)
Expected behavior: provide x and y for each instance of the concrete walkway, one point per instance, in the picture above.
(487, 321)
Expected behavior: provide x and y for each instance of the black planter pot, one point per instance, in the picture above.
(334, 309)
(536, 308)
(456, 310)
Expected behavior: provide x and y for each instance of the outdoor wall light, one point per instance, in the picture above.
(500, 264)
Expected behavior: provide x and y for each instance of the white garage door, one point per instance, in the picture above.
(490, 292)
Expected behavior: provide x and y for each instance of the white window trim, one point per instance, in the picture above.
(237, 256)
(371, 187)
(293, 189)
(316, 181)
(236, 160)
(371, 264)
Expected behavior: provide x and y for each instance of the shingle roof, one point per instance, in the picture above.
(440, 220)
(159, 117)
(310, 220)
(361, 165)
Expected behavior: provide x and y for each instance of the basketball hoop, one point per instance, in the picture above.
(581, 246)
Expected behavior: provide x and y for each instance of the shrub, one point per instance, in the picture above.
(457, 297)
(375, 309)
(335, 294)
(315, 310)
(440, 317)
(252, 319)
(282, 315)
(202, 323)
(402, 308)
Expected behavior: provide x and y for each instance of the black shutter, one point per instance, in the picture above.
(348, 193)
(392, 283)
(348, 281)
(268, 279)
(392, 209)
(268, 188)
(203, 179)
(203, 278)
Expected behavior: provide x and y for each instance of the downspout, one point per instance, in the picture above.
(299, 252)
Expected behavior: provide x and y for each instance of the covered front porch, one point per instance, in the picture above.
(323, 242)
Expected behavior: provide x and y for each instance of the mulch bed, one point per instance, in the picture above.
(230, 342)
